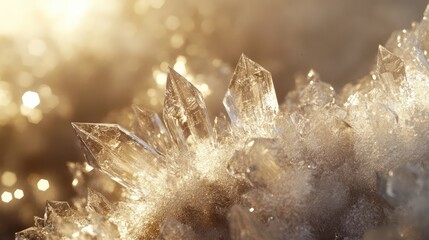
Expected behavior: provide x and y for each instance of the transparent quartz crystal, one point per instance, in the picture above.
(251, 99)
(105, 146)
(185, 113)
(149, 127)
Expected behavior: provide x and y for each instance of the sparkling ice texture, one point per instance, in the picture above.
(351, 164)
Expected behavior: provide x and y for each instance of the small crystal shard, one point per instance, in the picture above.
(251, 99)
(55, 211)
(150, 128)
(119, 154)
(39, 222)
(390, 71)
(390, 67)
(98, 203)
(185, 112)
(256, 163)
(221, 126)
(316, 93)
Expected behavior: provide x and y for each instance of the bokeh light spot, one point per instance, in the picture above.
(8, 178)
(18, 194)
(30, 99)
(43, 184)
(6, 197)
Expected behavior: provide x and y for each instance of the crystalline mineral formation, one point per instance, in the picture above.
(323, 165)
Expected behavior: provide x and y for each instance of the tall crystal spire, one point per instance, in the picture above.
(185, 113)
(251, 99)
(105, 146)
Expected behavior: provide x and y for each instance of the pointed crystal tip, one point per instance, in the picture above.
(185, 113)
(390, 68)
(387, 60)
(251, 99)
(118, 153)
(55, 211)
(382, 49)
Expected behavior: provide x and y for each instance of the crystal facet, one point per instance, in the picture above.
(316, 92)
(221, 127)
(106, 144)
(98, 203)
(55, 210)
(185, 112)
(150, 128)
(390, 66)
(391, 70)
(251, 99)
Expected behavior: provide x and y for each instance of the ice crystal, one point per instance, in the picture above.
(251, 100)
(185, 112)
(322, 165)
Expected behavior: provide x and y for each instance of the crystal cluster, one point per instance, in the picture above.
(322, 165)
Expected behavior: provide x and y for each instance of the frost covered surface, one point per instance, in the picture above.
(322, 165)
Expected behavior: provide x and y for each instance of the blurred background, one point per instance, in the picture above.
(87, 60)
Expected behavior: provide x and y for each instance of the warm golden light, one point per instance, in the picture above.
(172, 23)
(8, 178)
(5, 95)
(177, 40)
(18, 194)
(160, 77)
(75, 182)
(6, 197)
(180, 65)
(88, 168)
(43, 184)
(30, 99)
(36, 47)
(204, 89)
(156, 3)
(66, 13)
